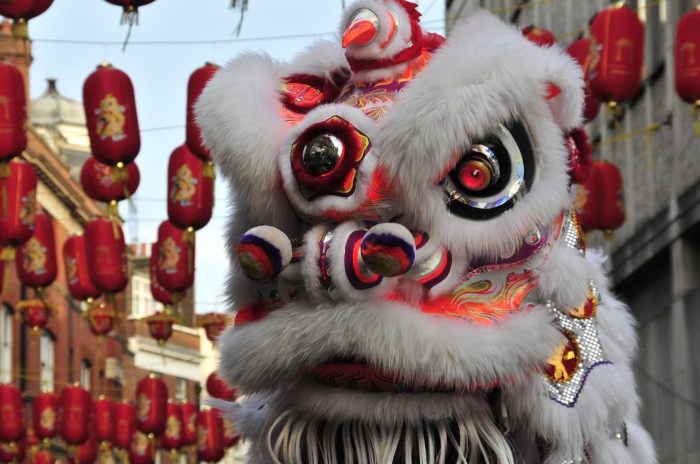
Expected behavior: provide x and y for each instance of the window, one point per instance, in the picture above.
(85, 373)
(6, 325)
(142, 302)
(47, 360)
(181, 389)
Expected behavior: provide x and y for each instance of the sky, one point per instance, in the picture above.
(173, 38)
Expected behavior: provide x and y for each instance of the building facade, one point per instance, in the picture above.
(655, 257)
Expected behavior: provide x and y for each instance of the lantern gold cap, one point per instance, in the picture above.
(153, 375)
(104, 64)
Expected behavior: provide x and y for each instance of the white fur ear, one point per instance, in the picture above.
(564, 278)
(239, 112)
(564, 87)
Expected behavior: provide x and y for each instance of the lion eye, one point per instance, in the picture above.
(492, 174)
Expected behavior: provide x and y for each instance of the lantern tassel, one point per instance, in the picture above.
(4, 174)
(694, 112)
(618, 112)
(208, 170)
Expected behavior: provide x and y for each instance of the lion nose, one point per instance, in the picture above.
(362, 28)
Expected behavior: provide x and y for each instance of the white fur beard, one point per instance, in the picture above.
(297, 437)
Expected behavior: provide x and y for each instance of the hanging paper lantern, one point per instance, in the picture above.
(195, 85)
(612, 210)
(539, 35)
(159, 293)
(13, 131)
(160, 326)
(599, 201)
(100, 319)
(110, 112)
(210, 436)
(687, 57)
(189, 420)
(76, 408)
(87, 452)
(106, 254)
(172, 437)
(151, 405)
(11, 418)
(217, 388)
(43, 457)
(109, 184)
(22, 11)
(80, 286)
(142, 449)
(616, 71)
(17, 203)
(583, 51)
(231, 435)
(175, 259)
(45, 415)
(190, 190)
(36, 313)
(13, 452)
(104, 419)
(213, 324)
(124, 425)
(36, 258)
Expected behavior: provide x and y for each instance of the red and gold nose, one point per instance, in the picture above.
(362, 27)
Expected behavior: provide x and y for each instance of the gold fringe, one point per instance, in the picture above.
(8, 253)
(208, 170)
(694, 112)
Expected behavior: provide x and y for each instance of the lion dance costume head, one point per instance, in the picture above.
(411, 284)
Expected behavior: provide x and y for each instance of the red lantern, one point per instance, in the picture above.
(124, 425)
(141, 449)
(599, 200)
(76, 408)
(36, 313)
(106, 254)
(104, 420)
(687, 57)
(110, 112)
(612, 211)
(45, 415)
(217, 388)
(13, 134)
(13, 451)
(175, 258)
(159, 293)
(108, 184)
(24, 9)
(11, 417)
(87, 452)
(160, 326)
(151, 405)
(75, 258)
(213, 324)
(231, 435)
(43, 457)
(195, 85)
(190, 190)
(101, 319)
(172, 437)
(582, 51)
(210, 436)
(17, 203)
(616, 71)
(539, 35)
(36, 258)
(189, 420)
